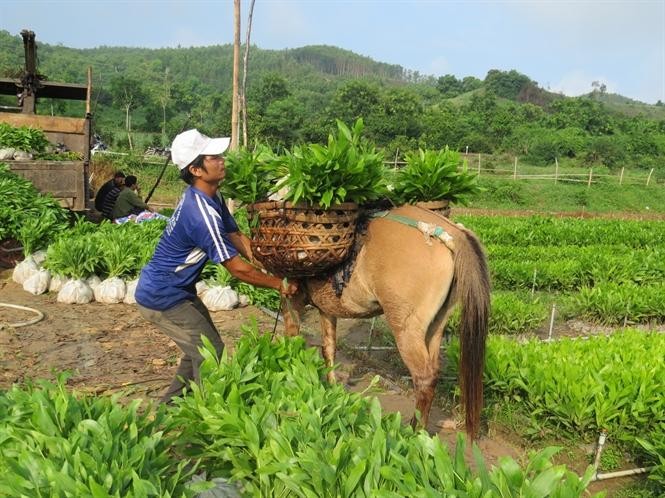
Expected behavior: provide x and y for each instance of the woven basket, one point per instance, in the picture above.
(439, 207)
(301, 240)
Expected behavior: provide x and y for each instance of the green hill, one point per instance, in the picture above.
(296, 95)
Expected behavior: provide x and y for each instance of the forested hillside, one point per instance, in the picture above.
(295, 95)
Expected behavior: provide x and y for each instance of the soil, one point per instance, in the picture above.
(110, 348)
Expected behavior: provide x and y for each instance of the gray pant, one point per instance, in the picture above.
(185, 324)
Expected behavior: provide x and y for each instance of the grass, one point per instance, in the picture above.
(547, 196)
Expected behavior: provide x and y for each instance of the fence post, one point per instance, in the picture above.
(556, 170)
(478, 163)
(649, 179)
(590, 176)
(515, 169)
(396, 156)
(621, 177)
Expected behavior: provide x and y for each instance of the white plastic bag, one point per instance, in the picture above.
(75, 292)
(24, 270)
(220, 298)
(93, 281)
(110, 291)
(131, 290)
(57, 281)
(6, 154)
(201, 287)
(243, 300)
(39, 257)
(38, 283)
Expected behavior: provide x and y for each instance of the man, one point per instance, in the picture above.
(200, 229)
(116, 182)
(128, 202)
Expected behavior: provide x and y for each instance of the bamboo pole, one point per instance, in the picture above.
(478, 163)
(556, 170)
(590, 176)
(243, 88)
(649, 178)
(621, 177)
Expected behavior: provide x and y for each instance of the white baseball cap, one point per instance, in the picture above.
(191, 144)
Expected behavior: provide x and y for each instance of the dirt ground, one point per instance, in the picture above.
(110, 348)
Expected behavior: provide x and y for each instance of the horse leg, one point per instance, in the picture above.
(291, 311)
(410, 339)
(329, 342)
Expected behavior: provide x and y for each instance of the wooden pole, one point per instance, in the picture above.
(590, 176)
(515, 169)
(396, 157)
(556, 170)
(243, 88)
(236, 70)
(649, 178)
(478, 163)
(621, 177)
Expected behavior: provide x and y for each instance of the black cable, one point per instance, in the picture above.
(166, 163)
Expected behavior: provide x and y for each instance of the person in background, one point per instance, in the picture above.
(116, 182)
(128, 201)
(200, 229)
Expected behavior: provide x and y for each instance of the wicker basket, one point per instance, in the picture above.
(439, 207)
(301, 240)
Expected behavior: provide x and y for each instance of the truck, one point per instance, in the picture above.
(67, 181)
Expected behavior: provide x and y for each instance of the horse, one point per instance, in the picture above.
(415, 280)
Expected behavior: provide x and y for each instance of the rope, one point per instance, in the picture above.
(38, 318)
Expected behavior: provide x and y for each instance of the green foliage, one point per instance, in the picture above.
(347, 169)
(583, 396)
(107, 250)
(431, 176)
(250, 174)
(57, 444)
(22, 138)
(25, 214)
(246, 419)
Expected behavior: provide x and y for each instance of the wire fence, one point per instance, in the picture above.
(485, 165)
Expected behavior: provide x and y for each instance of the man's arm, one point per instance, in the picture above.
(242, 270)
(243, 245)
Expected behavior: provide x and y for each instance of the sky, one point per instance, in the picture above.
(562, 45)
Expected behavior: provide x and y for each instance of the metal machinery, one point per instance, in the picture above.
(65, 180)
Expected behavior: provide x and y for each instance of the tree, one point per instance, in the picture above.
(127, 92)
(449, 86)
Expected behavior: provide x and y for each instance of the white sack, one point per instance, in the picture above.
(6, 154)
(201, 287)
(38, 283)
(93, 281)
(75, 292)
(24, 270)
(57, 281)
(110, 291)
(39, 257)
(243, 300)
(220, 298)
(131, 290)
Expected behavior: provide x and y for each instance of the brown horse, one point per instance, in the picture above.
(415, 281)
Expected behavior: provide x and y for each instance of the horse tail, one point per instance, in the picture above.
(472, 282)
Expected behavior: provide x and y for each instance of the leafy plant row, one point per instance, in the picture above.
(105, 250)
(55, 444)
(25, 214)
(615, 382)
(556, 232)
(615, 304)
(265, 420)
(573, 267)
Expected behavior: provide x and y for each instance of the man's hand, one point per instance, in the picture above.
(288, 289)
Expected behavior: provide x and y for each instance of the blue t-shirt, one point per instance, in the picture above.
(197, 232)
